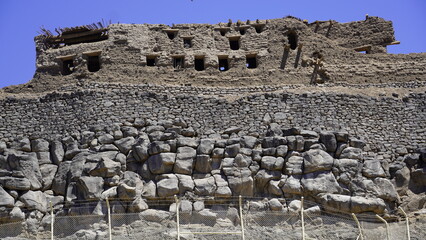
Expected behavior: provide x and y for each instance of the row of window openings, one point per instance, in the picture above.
(234, 43)
(93, 65)
(179, 62)
(242, 30)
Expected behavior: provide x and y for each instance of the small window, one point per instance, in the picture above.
(251, 61)
(234, 43)
(292, 39)
(243, 31)
(151, 61)
(223, 31)
(259, 28)
(223, 64)
(93, 63)
(199, 63)
(187, 43)
(171, 33)
(67, 66)
(178, 62)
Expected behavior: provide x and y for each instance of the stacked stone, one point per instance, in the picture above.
(142, 159)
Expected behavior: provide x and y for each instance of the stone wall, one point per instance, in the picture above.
(390, 125)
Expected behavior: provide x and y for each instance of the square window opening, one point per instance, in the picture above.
(234, 43)
(67, 66)
(223, 64)
(93, 63)
(243, 31)
(187, 43)
(171, 35)
(199, 64)
(259, 28)
(251, 61)
(178, 62)
(151, 61)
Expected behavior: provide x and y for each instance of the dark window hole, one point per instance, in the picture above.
(292, 39)
(67, 67)
(259, 28)
(151, 61)
(93, 64)
(223, 32)
(199, 64)
(171, 35)
(243, 31)
(234, 44)
(187, 43)
(223, 64)
(178, 62)
(251, 62)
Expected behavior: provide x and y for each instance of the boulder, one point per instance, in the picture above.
(242, 160)
(186, 142)
(248, 142)
(329, 141)
(39, 145)
(317, 160)
(167, 185)
(346, 169)
(90, 188)
(272, 163)
(150, 190)
(292, 185)
(336, 202)
(186, 183)
(34, 200)
(106, 139)
(153, 215)
(386, 190)
(275, 205)
(125, 144)
(205, 186)
(223, 189)
(5, 199)
(241, 182)
(161, 163)
(206, 146)
(15, 183)
(362, 204)
(203, 164)
(106, 168)
(232, 150)
(293, 165)
(320, 182)
(60, 180)
(140, 152)
(352, 153)
(263, 177)
(206, 217)
(373, 168)
(77, 165)
(282, 151)
(28, 165)
(274, 188)
(296, 143)
(48, 172)
(157, 147)
(231, 130)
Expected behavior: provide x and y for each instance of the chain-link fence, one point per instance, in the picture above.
(207, 218)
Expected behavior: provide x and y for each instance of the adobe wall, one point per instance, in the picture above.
(123, 55)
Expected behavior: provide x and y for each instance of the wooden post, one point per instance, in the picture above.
(407, 225)
(387, 226)
(303, 220)
(359, 226)
(241, 217)
(177, 217)
(52, 220)
(109, 219)
(315, 73)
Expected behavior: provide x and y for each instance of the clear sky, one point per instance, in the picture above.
(20, 20)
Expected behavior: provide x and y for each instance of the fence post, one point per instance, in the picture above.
(359, 226)
(406, 222)
(387, 226)
(303, 220)
(241, 217)
(52, 219)
(109, 219)
(177, 218)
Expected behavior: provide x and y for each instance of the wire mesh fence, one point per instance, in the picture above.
(224, 219)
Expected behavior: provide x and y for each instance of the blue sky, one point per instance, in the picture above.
(20, 20)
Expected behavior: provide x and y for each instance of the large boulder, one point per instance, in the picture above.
(186, 183)
(106, 168)
(362, 204)
(352, 153)
(262, 178)
(223, 189)
(57, 152)
(291, 185)
(317, 160)
(48, 172)
(161, 163)
(184, 160)
(373, 168)
(272, 163)
(320, 182)
(125, 144)
(329, 141)
(28, 165)
(167, 185)
(90, 188)
(293, 165)
(5, 199)
(205, 186)
(241, 182)
(203, 164)
(34, 200)
(61, 178)
(153, 215)
(39, 145)
(14, 183)
(206, 146)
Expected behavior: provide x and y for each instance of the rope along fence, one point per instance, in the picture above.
(207, 218)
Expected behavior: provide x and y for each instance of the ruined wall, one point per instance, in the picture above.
(285, 51)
